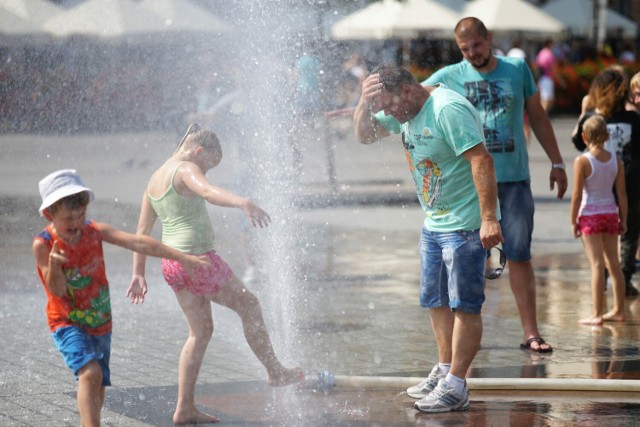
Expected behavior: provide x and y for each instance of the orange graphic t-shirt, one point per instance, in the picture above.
(87, 303)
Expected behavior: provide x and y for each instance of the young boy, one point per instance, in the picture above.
(70, 263)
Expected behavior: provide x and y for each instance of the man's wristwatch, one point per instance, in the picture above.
(557, 166)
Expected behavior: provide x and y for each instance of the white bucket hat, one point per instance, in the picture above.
(60, 184)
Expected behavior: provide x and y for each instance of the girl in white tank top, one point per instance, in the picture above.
(598, 219)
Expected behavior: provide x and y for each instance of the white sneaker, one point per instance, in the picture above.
(444, 399)
(421, 390)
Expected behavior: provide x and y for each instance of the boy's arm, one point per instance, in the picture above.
(50, 265)
(140, 243)
(150, 246)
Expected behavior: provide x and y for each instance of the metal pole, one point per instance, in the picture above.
(594, 21)
(602, 24)
(329, 151)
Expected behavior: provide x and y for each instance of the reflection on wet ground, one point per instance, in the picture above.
(255, 404)
(360, 273)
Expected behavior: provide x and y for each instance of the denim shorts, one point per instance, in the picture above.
(452, 270)
(517, 209)
(79, 348)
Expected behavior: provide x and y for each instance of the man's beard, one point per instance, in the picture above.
(485, 62)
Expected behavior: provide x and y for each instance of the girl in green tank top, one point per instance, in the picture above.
(177, 193)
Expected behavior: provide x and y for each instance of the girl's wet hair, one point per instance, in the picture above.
(595, 130)
(197, 136)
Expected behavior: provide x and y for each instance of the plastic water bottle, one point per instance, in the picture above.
(326, 381)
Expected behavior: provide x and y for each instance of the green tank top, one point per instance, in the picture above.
(186, 225)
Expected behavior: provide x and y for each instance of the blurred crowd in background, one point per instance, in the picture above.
(85, 84)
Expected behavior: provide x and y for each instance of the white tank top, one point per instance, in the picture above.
(597, 195)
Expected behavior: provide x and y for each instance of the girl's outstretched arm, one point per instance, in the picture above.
(138, 286)
(196, 182)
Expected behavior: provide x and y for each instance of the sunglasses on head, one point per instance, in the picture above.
(497, 272)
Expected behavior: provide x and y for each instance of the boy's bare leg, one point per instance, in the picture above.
(237, 297)
(197, 310)
(90, 394)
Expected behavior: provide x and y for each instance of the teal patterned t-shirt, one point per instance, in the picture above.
(499, 98)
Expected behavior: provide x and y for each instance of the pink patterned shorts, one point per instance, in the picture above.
(207, 281)
(599, 224)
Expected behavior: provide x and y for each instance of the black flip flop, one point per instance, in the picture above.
(540, 341)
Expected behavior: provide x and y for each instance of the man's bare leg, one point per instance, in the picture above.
(523, 286)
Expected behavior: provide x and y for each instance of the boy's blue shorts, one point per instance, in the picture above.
(79, 348)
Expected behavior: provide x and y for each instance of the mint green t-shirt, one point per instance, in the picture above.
(434, 140)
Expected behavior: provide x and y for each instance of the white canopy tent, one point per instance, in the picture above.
(390, 19)
(24, 19)
(12, 24)
(124, 18)
(577, 15)
(514, 16)
(103, 18)
(27, 16)
(184, 16)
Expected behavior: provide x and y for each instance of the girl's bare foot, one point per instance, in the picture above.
(193, 416)
(614, 316)
(284, 376)
(597, 320)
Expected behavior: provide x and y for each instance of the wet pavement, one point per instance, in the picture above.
(353, 298)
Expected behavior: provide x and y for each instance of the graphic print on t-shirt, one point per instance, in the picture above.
(492, 100)
(619, 136)
(432, 179)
